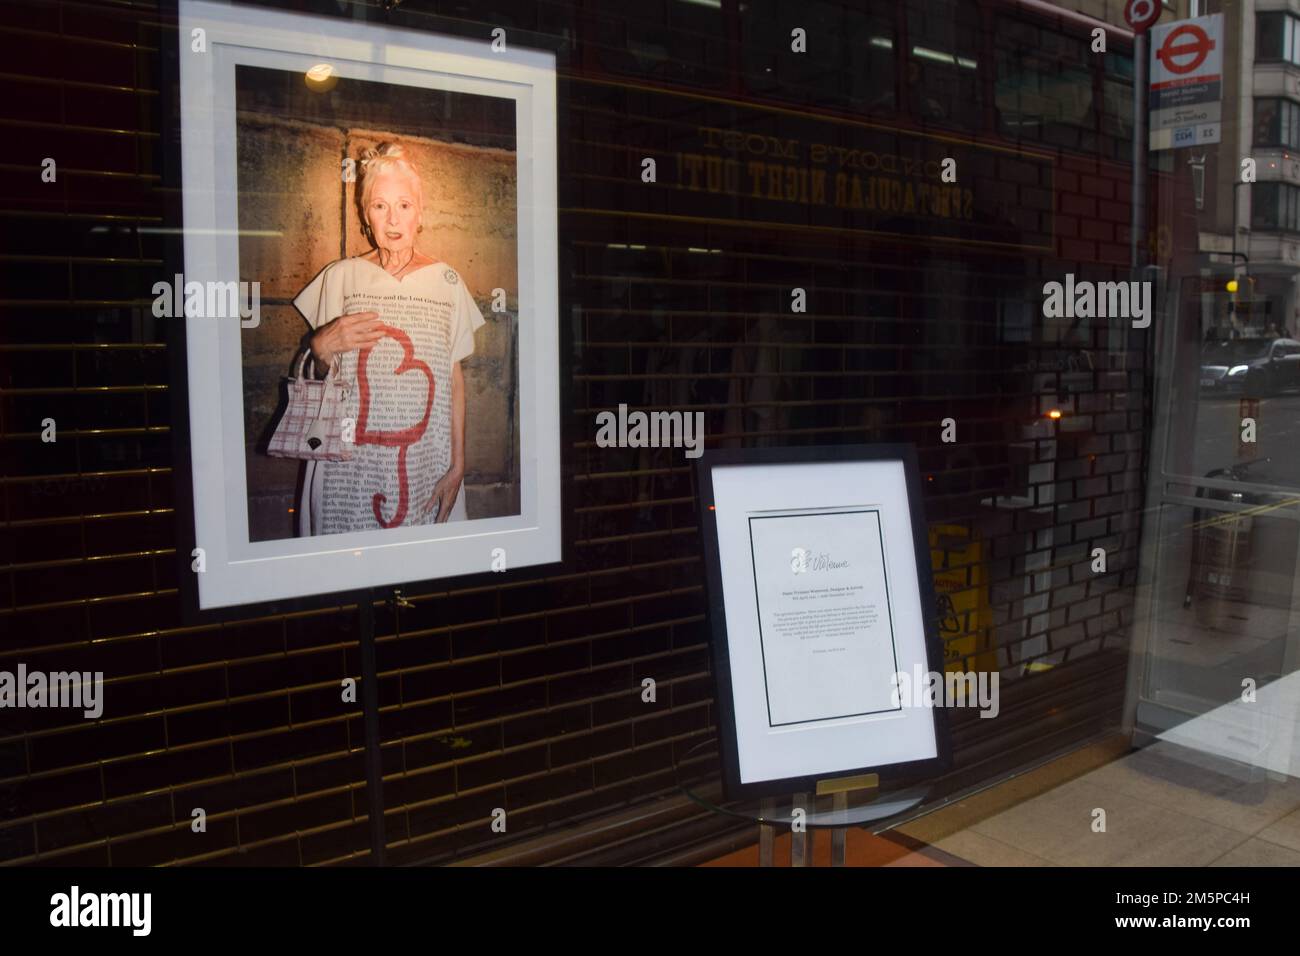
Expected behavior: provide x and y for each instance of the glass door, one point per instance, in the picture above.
(1218, 617)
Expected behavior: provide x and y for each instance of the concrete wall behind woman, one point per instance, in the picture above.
(297, 214)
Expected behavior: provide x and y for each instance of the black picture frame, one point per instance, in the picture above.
(895, 773)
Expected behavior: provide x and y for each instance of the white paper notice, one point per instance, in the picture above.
(825, 620)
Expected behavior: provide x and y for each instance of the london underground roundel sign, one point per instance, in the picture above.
(1185, 49)
(1142, 14)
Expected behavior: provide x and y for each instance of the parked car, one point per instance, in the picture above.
(1254, 367)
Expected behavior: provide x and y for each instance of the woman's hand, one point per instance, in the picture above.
(347, 333)
(445, 493)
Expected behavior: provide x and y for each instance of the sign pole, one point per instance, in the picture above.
(1138, 215)
(1141, 16)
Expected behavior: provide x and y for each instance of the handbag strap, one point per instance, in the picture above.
(329, 374)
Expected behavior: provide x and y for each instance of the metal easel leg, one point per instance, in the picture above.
(839, 836)
(370, 711)
(766, 833)
(799, 848)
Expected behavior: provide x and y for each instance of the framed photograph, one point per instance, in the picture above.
(820, 598)
(370, 299)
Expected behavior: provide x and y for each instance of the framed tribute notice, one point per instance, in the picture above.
(820, 601)
(369, 294)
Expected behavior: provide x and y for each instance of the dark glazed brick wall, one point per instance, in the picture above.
(525, 695)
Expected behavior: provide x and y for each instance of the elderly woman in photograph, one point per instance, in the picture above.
(396, 322)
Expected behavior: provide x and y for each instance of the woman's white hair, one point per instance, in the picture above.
(375, 161)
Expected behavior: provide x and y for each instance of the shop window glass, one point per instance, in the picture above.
(1117, 103)
(943, 64)
(1268, 122)
(1044, 86)
(1265, 206)
(1277, 123)
(1277, 37)
(681, 43)
(1271, 40)
(850, 59)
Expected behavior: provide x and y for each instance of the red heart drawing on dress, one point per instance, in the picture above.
(402, 438)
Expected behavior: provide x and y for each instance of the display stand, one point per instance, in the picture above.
(794, 538)
(838, 804)
(370, 713)
(370, 716)
(867, 785)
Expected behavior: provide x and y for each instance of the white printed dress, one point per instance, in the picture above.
(402, 400)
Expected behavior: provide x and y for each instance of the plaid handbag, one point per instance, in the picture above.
(312, 424)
